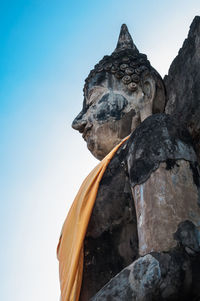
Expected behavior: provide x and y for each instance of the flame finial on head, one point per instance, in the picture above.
(125, 40)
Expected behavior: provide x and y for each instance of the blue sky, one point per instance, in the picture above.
(47, 49)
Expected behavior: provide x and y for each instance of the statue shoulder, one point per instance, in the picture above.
(159, 138)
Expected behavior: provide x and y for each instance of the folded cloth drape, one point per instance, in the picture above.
(70, 246)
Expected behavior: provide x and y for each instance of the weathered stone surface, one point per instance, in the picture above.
(125, 40)
(168, 176)
(159, 164)
(159, 138)
(183, 82)
(112, 109)
(169, 276)
(172, 200)
(188, 235)
(176, 276)
(120, 92)
(165, 181)
(139, 281)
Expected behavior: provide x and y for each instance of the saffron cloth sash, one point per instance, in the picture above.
(70, 246)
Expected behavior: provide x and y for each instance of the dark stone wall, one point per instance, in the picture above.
(183, 84)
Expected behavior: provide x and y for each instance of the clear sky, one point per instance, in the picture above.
(46, 51)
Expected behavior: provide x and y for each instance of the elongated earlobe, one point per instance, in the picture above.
(149, 89)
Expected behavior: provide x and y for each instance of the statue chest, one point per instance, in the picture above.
(111, 241)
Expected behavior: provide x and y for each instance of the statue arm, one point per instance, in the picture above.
(163, 174)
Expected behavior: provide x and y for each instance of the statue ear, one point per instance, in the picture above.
(149, 89)
(154, 93)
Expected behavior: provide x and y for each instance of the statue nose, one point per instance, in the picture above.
(79, 123)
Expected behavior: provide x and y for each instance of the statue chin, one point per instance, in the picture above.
(98, 154)
(102, 146)
(96, 149)
(103, 137)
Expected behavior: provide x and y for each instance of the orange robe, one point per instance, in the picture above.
(70, 246)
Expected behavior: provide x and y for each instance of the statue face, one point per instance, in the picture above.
(110, 113)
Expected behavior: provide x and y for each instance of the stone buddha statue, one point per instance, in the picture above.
(144, 229)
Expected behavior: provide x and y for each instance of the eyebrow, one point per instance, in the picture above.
(90, 91)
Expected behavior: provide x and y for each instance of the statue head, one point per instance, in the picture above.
(119, 93)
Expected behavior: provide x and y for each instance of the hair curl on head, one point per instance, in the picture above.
(130, 66)
(126, 65)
